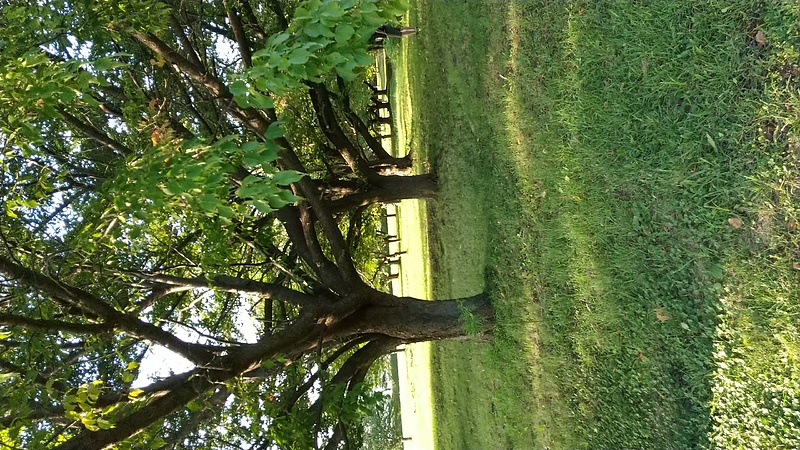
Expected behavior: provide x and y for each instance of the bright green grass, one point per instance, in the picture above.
(596, 160)
(414, 374)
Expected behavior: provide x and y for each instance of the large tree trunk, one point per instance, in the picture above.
(391, 189)
(414, 320)
(392, 165)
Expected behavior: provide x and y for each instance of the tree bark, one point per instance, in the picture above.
(391, 189)
(392, 166)
(413, 320)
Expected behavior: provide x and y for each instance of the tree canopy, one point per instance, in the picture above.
(172, 171)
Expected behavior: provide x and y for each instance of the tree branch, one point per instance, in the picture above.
(253, 21)
(197, 353)
(320, 100)
(189, 49)
(238, 285)
(54, 326)
(276, 8)
(194, 71)
(292, 399)
(293, 341)
(238, 32)
(95, 134)
(316, 259)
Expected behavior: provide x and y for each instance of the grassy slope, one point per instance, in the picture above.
(622, 177)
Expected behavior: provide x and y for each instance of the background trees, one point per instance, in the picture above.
(172, 172)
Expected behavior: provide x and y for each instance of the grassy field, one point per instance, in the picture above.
(622, 177)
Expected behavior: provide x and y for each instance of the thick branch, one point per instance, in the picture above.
(238, 32)
(95, 134)
(54, 326)
(237, 285)
(156, 295)
(142, 418)
(320, 100)
(161, 386)
(322, 266)
(196, 72)
(362, 129)
(200, 354)
(292, 342)
(275, 6)
(184, 39)
(249, 116)
(252, 21)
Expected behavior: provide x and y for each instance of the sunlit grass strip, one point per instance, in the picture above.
(550, 417)
(475, 221)
(414, 372)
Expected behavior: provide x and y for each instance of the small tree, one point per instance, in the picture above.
(170, 167)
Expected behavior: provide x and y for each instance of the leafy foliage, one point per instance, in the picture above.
(323, 38)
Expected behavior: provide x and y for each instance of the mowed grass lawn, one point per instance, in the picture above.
(622, 177)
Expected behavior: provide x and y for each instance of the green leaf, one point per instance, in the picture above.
(90, 423)
(275, 201)
(344, 32)
(260, 101)
(193, 171)
(109, 62)
(252, 160)
(331, 10)
(274, 131)
(315, 29)
(251, 147)
(277, 39)
(368, 7)
(261, 206)
(336, 58)
(287, 196)
(299, 56)
(346, 72)
(94, 391)
(301, 13)
(363, 58)
(286, 177)
(104, 424)
(253, 187)
(136, 393)
(193, 406)
(270, 152)
(207, 203)
(238, 87)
